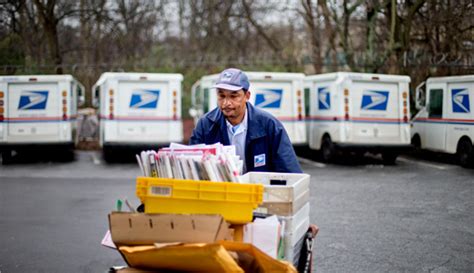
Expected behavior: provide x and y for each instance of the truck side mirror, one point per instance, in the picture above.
(81, 95)
(420, 97)
(95, 96)
(193, 112)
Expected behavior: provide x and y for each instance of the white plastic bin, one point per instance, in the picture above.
(284, 193)
(295, 228)
(293, 255)
(293, 223)
(292, 244)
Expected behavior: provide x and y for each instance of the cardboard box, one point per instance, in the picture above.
(211, 257)
(131, 270)
(129, 229)
(142, 241)
(207, 245)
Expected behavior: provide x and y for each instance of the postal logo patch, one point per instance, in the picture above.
(259, 160)
(227, 76)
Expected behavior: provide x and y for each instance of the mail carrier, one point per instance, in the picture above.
(280, 94)
(358, 112)
(445, 122)
(38, 112)
(138, 110)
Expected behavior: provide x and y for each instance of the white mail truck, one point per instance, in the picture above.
(358, 112)
(38, 111)
(280, 94)
(138, 111)
(445, 122)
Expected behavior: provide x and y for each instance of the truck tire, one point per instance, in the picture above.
(328, 150)
(389, 158)
(63, 154)
(68, 155)
(108, 155)
(416, 142)
(6, 157)
(465, 153)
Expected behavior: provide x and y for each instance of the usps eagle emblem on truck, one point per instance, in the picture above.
(374, 100)
(460, 99)
(144, 99)
(268, 98)
(324, 98)
(33, 100)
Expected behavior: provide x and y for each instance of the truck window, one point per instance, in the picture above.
(198, 97)
(79, 96)
(435, 109)
(205, 103)
(306, 101)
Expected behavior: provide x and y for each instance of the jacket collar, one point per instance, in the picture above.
(217, 123)
(255, 125)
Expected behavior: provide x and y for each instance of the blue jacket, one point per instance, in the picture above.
(267, 146)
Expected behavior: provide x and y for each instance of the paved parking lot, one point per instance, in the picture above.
(416, 216)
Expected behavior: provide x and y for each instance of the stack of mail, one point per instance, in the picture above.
(214, 162)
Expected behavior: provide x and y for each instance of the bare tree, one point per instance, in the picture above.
(344, 30)
(46, 10)
(330, 34)
(310, 15)
(401, 28)
(203, 36)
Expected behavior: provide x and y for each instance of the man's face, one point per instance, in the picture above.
(233, 104)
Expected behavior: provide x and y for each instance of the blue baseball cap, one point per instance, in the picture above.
(232, 79)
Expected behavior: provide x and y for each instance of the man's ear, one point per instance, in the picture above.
(247, 95)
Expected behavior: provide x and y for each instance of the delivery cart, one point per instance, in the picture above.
(262, 193)
(281, 194)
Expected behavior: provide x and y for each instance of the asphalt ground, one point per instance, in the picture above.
(415, 216)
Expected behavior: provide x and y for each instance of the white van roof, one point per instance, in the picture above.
(138, 76)
(36, 78)
(359, 76)
(451, 79)
(260, 75)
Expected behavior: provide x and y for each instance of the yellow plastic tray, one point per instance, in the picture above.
(235, 202)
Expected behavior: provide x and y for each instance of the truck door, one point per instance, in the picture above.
(375, 112)
(459, 113)
(436, 140)
(33, 112)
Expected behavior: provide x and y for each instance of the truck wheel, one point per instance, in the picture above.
(67, 155)
(465, 153)
(389, 158)
(108, 155)
(328, 150)
(416, 142)
(6, 157)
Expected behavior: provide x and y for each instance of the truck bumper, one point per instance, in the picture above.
(134, 146)
(374, 148)
(35, 146)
